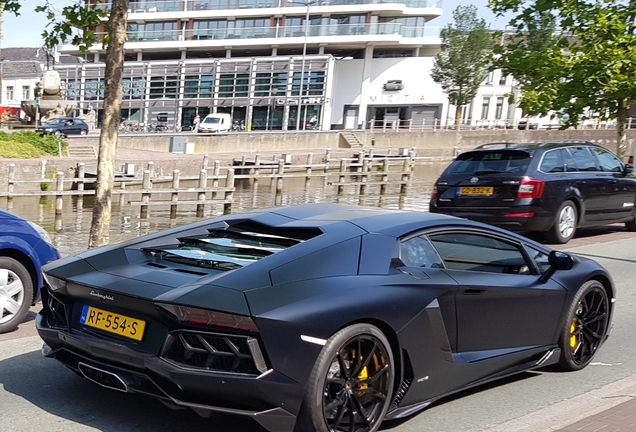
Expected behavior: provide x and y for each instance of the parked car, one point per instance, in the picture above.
(214, 123)
(24, 248)
(64, 126)
(329, 316)
(552, 187)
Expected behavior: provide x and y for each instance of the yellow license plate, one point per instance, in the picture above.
(113, 323)
(477, 191)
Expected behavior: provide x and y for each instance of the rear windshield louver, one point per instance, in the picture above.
(231, 247)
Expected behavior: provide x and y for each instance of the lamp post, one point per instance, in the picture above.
(302, 66)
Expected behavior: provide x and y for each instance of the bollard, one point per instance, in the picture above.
(281, 171)
(151, 168)
(385, 176)
(341, 178)
(11, 177)
(363, 177)
(203, 182)
(205, 162)
(215, 182)
(229, 194)
(175, 194)
(145, 195)
(59, 202)
(81, 173)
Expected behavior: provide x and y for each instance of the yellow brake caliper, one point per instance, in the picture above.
(573, 339)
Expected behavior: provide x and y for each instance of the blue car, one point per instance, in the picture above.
(24, 248)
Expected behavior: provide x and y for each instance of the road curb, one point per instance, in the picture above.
(572, 410)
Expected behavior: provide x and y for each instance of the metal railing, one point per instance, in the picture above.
(410, 125)
(281, 32)
(202, 5)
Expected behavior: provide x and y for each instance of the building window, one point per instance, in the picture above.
(133, 87)
(163, 87)
(233, 85)
(489, 78)
(485, 104)
(9, 92)
(313, 85)
(270, 84)
(216, 29)
(499, 108)
(198, 86)
(26, 92)
(502, 79)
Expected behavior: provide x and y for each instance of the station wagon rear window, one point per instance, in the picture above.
(491, 162)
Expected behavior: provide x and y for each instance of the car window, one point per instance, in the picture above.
(568, 160)
(475, 252)
(583, 159)
(496, 161)
(607, 160)
(419, 252)
(552, 162)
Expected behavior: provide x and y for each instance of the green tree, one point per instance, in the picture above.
(76, 24)
(583, 65)
(465, 57)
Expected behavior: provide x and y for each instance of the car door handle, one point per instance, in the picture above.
(473, 291)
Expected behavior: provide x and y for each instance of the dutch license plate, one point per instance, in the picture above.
(477, 190)
(113, 323)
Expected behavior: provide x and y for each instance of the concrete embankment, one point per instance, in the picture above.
(140, 149)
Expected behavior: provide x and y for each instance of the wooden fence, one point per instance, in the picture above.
(366, 172)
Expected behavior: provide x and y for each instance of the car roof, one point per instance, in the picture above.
(533, 146)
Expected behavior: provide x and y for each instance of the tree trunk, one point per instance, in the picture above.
(621, 120)
(458, 115)
(117, 24)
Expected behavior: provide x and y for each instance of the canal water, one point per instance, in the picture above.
(70, 230)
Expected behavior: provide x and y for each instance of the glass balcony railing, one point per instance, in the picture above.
(201, 5)
(357, 30)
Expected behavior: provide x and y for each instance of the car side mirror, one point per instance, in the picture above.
(558, 261)
(629, 168)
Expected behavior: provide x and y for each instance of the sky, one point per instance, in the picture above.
(26, 29)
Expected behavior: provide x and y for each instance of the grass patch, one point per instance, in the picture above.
(28, 144)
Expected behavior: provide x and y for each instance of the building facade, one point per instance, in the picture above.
(276, 64)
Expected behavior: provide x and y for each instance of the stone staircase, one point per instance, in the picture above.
(350, 140)
(81, 151)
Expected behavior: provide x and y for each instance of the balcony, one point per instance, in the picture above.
(353, 31)
(202, 5)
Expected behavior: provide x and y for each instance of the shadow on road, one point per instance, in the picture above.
(53, 388)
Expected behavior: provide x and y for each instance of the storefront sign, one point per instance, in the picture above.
(305, 101)
(396, 98)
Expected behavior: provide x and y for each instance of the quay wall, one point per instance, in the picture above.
(439, 145)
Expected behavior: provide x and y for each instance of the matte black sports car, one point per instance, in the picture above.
(321, 317)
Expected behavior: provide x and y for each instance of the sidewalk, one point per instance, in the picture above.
(611, 408)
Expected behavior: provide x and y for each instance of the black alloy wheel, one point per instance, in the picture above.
(351, 384)
(586, 326)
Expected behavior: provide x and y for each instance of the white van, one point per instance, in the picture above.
(214, 123)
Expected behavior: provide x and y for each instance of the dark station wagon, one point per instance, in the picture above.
(552, 187)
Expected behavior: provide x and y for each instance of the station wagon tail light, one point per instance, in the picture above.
(630, 160)
(434, 193)
(530, 188)
(208, 318)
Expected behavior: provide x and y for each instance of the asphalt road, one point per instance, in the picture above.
(40, 394)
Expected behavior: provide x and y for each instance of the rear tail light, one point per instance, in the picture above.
(530, 188)
(434, 193)
(630, 160)
(208, 318)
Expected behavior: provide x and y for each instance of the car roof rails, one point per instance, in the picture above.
(498, 145)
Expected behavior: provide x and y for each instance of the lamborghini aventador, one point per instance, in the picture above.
(321, 317)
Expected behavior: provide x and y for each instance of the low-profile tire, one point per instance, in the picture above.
(350, 386)
(83, 132)
(16, 293)
(564, 224)
(631, 225)
(585, 327)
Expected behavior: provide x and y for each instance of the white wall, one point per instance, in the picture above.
(419, 87)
